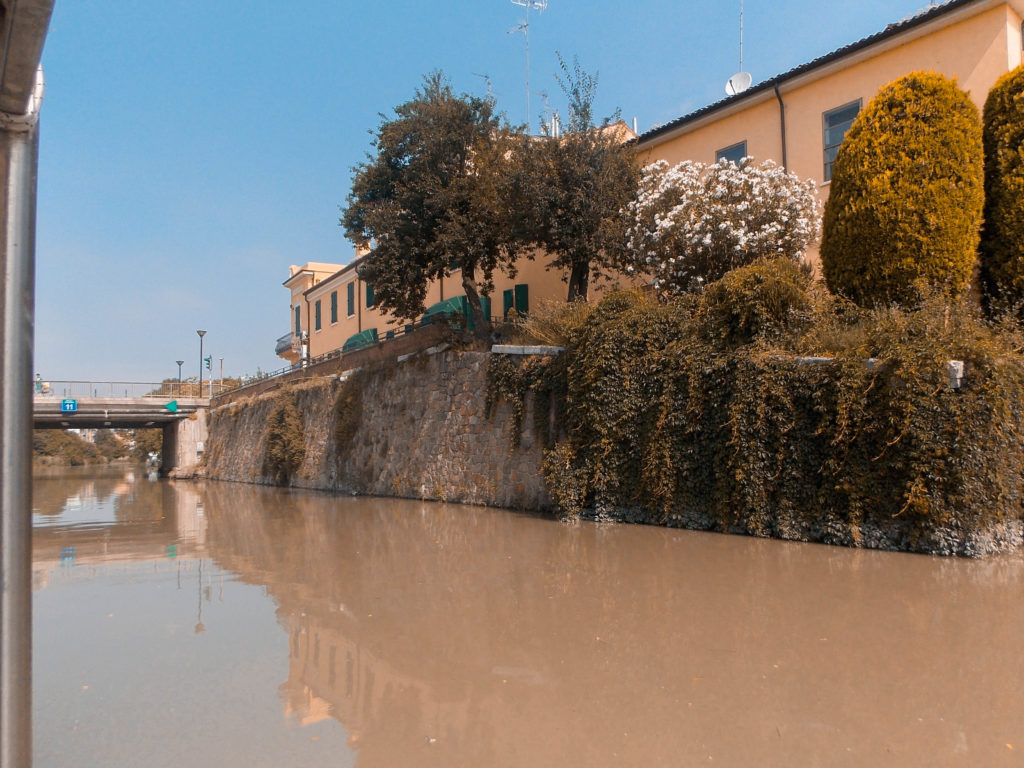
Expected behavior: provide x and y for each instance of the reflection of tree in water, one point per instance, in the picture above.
(516, 640)
(52, 489)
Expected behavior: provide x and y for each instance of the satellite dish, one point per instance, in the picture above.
(738, 83)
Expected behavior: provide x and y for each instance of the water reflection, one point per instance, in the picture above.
(425, 634)
(443, 635)
(93, 516)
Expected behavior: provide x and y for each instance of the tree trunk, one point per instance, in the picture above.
(579, 282)
(481, 324)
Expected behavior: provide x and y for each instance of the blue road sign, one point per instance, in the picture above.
(68, 406)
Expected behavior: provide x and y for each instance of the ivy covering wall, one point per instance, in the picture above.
(707, 413)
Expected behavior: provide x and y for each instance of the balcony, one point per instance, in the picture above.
(284, 345)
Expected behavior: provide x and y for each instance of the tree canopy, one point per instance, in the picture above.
(433, 201)
(573, 187)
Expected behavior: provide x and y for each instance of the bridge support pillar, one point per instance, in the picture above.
(184, 442)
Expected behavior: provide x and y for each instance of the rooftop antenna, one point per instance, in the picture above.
(739, 82)
(524, 27)
(487, 80)
(547, 123)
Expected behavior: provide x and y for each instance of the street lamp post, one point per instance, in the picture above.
(221, 389)
(201, 334)
(180, 363)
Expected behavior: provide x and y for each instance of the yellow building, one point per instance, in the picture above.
(798, 119)
(331, 306)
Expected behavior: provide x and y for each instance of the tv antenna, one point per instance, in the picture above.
(739, 82)
(487, 79)
(524, 27)
(548, 124)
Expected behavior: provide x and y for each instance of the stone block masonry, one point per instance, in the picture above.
(422, 433)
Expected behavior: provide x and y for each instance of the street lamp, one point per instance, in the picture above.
(201, 334)
(180, 363)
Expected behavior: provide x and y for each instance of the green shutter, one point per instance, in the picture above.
(351, 298)
(507, 302)
(522, 298)
(369, 295)
(334, 306)
(298, 320)
(316, 312)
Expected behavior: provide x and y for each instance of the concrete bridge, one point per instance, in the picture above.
(175, 409)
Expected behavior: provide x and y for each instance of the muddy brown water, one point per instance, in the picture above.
(232, 625)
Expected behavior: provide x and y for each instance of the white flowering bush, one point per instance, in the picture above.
(691, 223)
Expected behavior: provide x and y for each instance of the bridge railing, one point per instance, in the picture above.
(119, 389)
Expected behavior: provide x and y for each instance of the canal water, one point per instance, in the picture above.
(229, 625)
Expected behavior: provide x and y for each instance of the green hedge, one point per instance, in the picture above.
(906, 194)
(1002, 241)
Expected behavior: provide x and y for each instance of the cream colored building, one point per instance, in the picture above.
(798, 119)
(330, 304)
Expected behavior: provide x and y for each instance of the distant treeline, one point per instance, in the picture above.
(58, 446)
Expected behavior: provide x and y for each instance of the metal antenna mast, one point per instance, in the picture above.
(487, 80)
(741, 35)
(539, 5)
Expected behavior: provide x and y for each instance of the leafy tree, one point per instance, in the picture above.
(430, 203)
(692, 223)
(1002, 236)
(64, 446)
(906, 194)
(573, 187)
(147, 441)
(110, 445)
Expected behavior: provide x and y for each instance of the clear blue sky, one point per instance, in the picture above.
(192, 149)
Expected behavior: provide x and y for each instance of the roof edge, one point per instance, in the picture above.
(766, 87)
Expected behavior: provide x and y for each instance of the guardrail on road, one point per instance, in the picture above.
(119, 389)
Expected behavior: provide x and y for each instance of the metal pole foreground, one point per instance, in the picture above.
(19, 150)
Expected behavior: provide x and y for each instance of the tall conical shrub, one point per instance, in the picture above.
(906, 195)
(1002, 239)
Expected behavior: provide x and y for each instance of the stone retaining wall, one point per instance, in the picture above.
(422, 433)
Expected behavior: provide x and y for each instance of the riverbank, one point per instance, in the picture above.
(419, 429)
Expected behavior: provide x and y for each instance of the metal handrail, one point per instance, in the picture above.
(116, 389)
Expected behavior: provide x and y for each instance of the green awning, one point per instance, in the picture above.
(359, 340)
(454, 307)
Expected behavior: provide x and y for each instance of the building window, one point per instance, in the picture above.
(733, 154)
(316, 315)
(298, 321)
(351, 298)
(836, 123)
(516, 298)
(334, 307)
(369, 295)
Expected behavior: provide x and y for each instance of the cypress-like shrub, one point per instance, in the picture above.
(1002, 239)
(906, 199)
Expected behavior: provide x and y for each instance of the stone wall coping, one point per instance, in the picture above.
(954, 368)
(514, 349)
